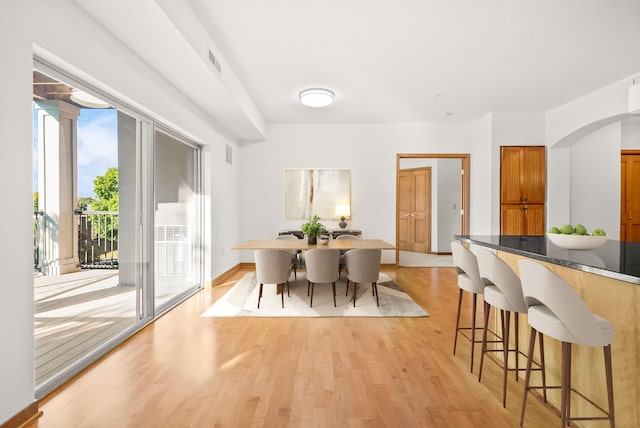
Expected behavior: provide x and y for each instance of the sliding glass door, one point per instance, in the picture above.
(177, 255)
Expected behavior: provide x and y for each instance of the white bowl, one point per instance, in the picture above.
(576, 242)
(323, 241)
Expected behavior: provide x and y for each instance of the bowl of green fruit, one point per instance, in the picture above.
(576, 237)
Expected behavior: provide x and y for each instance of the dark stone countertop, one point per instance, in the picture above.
(615, 259)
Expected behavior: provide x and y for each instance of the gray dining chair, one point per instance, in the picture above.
(322, 268)
(295, 256)
(273, 267)
(342, 252)
(362, 266)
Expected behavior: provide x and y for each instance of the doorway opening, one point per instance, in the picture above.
(432, 205)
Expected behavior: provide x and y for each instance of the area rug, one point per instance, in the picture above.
(242, 300)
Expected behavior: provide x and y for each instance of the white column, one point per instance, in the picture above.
(57, 185)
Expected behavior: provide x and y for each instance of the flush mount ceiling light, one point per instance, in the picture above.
(87, 100)
(316, 97)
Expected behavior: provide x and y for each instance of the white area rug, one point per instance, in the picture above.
(242, 300)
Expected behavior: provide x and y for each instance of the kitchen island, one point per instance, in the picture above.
(608, 279)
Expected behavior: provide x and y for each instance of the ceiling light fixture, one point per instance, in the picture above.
(81, 97)
(443, 115)
(316, 97)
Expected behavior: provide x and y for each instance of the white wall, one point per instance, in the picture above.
(480, 192)
(595, 181)
(368, 150)
(631, 133)
(16, 229)
(449, 197)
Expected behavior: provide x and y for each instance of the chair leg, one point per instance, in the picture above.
(473, 328)
(295, 272)
(505, 347)
(374, 286)
(333, 286)
(565, 382)
(517, 318)
(311, 301)
(282, 294)
(609, 376)
(308, 286)
(527, 377)
(355, 289)
(288, 290)
(543, 367)
(455, 339)
(483, 350)
(259, 295)
(346, 293)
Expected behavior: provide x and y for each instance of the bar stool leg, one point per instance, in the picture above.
(473, 328)
(566, 375)
(517, 317)
(455, 340)
(542, 367)
(505, 345)
(527, 377)
(609, 375)
(487, 308)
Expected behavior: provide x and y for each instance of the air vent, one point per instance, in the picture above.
(214, 61)
(229, 155)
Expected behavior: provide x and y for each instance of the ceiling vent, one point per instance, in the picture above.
(214, 61)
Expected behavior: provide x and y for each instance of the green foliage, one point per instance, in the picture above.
(313, 227)
(84, 203)
(35, 202)
(105, 188)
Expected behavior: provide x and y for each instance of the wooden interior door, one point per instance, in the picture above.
(414, 210)
(630, 196)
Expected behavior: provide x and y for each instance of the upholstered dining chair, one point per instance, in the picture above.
(322, 268)
(295, 256)
(273, 267)
(469, 280)
(363, 265)
(342, 252)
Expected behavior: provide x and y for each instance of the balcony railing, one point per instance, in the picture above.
(98, 239)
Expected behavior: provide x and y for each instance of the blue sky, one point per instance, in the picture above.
(97, 147)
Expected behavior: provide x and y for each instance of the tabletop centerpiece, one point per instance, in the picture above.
(313, 229)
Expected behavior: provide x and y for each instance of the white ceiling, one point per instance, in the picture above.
(412, 60)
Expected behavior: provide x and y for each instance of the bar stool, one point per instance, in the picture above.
(556, 310)
(468, 280)
(503, 292)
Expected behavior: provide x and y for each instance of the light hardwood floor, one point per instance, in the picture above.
(188, 371)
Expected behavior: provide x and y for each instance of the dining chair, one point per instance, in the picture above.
(295, 256)
(342, 252)
(273, 267)
(322, 268)
(363, 265)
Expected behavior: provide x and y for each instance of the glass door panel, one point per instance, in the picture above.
(177, 220)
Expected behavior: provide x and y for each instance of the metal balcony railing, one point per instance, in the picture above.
(98, 239)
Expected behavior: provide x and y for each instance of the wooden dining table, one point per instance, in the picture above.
(301, 244)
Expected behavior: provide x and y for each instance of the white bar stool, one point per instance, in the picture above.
(556, 310)
(504, 293)
(468, 280)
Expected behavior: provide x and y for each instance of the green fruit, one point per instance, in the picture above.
(581, 230)
(553, 230)
(577, 234)
(598, 232)
(567, 229)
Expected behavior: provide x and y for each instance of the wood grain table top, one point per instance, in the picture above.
(301, 244)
